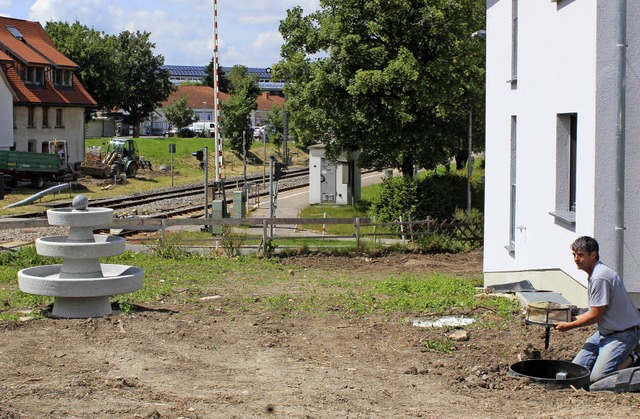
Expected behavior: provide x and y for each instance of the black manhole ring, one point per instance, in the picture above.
(545, 372)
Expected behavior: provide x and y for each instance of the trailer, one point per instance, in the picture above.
(36, 168)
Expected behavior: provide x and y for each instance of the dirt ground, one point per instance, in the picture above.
(190, 362)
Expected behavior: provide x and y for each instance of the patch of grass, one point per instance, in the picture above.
(444, 345)
(248, 283)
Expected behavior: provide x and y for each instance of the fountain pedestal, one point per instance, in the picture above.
(81, 285)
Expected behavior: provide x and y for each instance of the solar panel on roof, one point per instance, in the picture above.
(15, 32)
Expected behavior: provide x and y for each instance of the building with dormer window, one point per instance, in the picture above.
(41, 100)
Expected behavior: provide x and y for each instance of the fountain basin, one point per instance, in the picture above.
(90, 217)
(46, 280)
(102, 246)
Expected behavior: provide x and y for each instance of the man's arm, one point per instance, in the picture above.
(593, 316)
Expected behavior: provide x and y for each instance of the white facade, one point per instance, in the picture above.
(333, 182)
(6, 113)
(565, 73)
(38, 137)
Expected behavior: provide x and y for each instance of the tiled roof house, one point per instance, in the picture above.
(201, 99)
(40, 98)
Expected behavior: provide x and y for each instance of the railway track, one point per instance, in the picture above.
(123, 204)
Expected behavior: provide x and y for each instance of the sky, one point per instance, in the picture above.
(181, 29)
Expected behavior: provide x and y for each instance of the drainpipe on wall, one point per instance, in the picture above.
(621, 48)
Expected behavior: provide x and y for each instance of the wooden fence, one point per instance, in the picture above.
(272, 229)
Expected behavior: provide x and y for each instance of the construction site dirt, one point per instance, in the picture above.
(195, 360)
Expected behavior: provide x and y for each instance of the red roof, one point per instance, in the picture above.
(27, 42)
(197, 96)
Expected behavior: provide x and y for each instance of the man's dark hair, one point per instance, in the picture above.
(586, 243)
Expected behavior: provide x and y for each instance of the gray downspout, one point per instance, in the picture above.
(621, 46)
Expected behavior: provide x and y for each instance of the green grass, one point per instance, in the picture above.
(264, 285)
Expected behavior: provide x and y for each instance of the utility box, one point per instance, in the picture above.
(239, 204)
(218, 211)
(333, 182)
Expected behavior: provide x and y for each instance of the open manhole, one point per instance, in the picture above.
(552, 374)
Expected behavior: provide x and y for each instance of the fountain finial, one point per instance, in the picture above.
(80, 202)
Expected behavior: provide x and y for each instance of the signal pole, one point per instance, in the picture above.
(216, 93)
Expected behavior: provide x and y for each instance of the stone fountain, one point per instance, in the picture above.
(81, 285)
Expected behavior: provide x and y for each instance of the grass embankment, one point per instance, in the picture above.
(186, 169)
(249, 284)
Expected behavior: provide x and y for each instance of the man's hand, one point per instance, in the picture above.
(593, 316)
(563, 326)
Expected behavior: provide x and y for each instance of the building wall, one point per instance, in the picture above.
(6, 114)
(556, 74)
(72, 131)
(606, 134)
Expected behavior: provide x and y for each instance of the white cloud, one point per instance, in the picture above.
(181, 29)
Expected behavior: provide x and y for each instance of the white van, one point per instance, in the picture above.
(202, 128)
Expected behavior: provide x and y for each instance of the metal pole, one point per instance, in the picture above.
(206, 182)
(271, 195)
(172, 145)
(285, 130)
(470, 162)
(216, 93)
(264, 160)
(621, 46)
(244, 162)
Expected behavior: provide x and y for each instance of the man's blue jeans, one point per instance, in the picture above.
(604, 354)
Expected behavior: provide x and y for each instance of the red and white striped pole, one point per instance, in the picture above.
(216, 93)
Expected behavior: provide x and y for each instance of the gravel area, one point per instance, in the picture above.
(154, 208)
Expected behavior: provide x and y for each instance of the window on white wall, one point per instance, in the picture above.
(512, 210)
(514, 40)
(566, 167)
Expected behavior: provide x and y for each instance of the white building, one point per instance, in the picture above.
(333, 182)
(41, 101)
(551, 141)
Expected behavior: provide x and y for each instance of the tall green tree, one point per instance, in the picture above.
(396, 78)
(144, 85)
(275, 125)
(92, 51)
(223, 82)
(236, 111)
(179, 114)
(119, 71)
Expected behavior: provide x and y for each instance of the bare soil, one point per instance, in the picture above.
(193, 362)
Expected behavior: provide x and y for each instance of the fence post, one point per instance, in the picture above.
(324, 226)
(410, 228)
(164, 227)
(358, 232)
(265, 232)
(402, 229)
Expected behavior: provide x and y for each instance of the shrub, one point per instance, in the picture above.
(397, 198)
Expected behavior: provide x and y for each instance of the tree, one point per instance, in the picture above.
(179, 114)
(92, 51)
(244, 90)
(118, 71)
(400, 93)
(143, 83)
(223, 83)
(275, 125)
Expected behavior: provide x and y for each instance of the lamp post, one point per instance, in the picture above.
(477, 34)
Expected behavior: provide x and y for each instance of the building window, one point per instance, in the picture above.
(512, 213)
(31, 146)
(45, 117)
(514, 40)
(34, 75)
(566, 167)
(31, 112)
(59, 118)
(62, 77)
